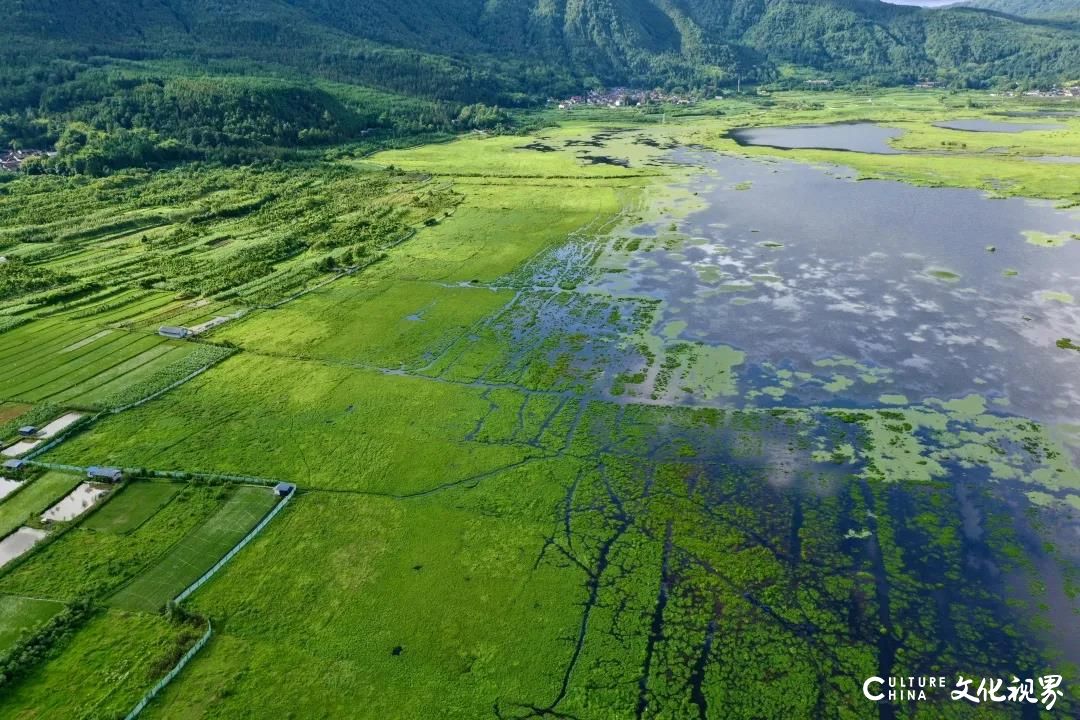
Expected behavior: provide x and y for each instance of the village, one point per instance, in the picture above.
(12, 160)
(623, 97)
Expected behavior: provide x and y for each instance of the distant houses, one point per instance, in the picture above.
(12, 160)
(109, 474)
(174, 332)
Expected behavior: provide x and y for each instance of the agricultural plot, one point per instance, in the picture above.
(383, 324)
(102, 671)
(32, 500)
(94, 559)
(20, 616)
(11, 411)
(197, 551)
(310, 594)
(137, 503)
(78, 364)
(316, 424)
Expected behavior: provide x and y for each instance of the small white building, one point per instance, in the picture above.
(173, 331)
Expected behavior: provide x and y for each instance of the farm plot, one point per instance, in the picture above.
(197, 551)
(93, 560)
(134, 505)
(10, 411)
(387, 324)
(102, 671)
(316, 424)
(38, 495)
(500, 224)
(434, 603)
(62, 362)
(19, 615)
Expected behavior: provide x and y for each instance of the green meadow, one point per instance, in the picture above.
(22, 615)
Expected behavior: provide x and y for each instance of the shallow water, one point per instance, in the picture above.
(863, 137)
(18, 543)
(871, 288)
(59, 424)
(75, 503)
(20, 448)
(8, 486)
(979, 125)
(1063, 159)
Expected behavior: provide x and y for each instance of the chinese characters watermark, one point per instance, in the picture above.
(1046, 692)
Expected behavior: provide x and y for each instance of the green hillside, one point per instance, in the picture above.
(1068, 9)
(122, 82)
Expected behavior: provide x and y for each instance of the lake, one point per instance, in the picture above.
(864, 137)
(933, 292)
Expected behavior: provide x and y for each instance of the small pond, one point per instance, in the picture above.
(8, 486)
(75, 504)
(865, 137)
(19, 542)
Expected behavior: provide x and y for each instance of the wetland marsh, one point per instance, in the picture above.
(637, 421)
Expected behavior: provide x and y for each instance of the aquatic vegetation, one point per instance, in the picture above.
(1057, 296)
(1042, 239)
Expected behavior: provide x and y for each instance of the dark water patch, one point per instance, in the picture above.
(605, 160)
(980, 125)
(865, 137)
(538, 147)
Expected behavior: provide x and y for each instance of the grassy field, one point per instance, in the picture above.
(385, 324)
(197, 551)
(94, 559)
(316, 424)
(29, 502)
(103, 671)
(135, 505)
(327, 599)
(19, 616)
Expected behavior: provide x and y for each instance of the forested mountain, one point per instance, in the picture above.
(237, 76)
(1069, 9)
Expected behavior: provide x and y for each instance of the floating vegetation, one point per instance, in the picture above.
(943, 274)
(1057, 296)
(1042, 239)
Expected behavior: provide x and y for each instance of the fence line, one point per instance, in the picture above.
(172, 474)
(160, 685)
(152, 693)
(236, 548)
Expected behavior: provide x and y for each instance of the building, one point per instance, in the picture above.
(110, 474)
(283, 488)
(28, 431)
(171, 331)
(14, 464)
